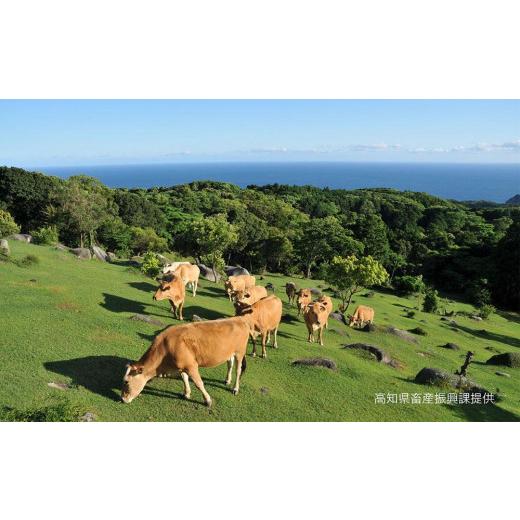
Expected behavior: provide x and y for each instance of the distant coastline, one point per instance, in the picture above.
(459, 181)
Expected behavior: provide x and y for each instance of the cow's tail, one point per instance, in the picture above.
(244, 365)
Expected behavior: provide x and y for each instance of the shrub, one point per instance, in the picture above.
(147, 240)
(151, 265)
(46, 236)
(28, 260)
(61, 411)
(7, 224)
(419, 331)
(407, 285)
(431, 300)
(486, 310)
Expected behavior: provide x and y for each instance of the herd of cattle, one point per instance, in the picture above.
(183, 349)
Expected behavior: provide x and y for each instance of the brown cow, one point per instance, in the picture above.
(316, 316)
(250, 296)
(362, 315)
(184, 348)
(240, 282)
(290, 290)
(190, 275)
(172, 289)
(327, 302)
(304, 298)
(262, 317)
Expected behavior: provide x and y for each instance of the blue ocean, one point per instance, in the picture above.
(492, 182)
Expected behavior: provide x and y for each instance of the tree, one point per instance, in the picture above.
(211, 237)
(7, 224)
(351, 274)
(85, 204)
(431, 300)
(147, 240)
(371, 231)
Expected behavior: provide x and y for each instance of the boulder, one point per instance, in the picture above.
(196, 317)
(402, 334)
(22, 237)
(419, 331)
(232, 270)
(4, 247)
(315, 292)
(88, 417)
(99, 253)
(316, 362)
(147, 319)
(503, 374)
(111, 257)
(370, 327)
(338, 316)
(207, 273)
(82, 252)
(450, 346)
(436, 376)
(379, 354)
(476, 318)
(507, 359)
(61, 247)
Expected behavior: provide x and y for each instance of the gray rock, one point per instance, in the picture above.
(451, 346)
(82, 252)
(338, 316)
(88, 417)
(207, 273)
(315, 292)
(4, 247)
(99, 253)
(22, 237)
(59, 386)
(378, 353)
(147, 319)
(232, 270)
(111, 256)
(402, 334)
(61, 247)
(436, 376)
(476, 318)
(503, 374)
(196, 317)
(507, 359)
(316, 362)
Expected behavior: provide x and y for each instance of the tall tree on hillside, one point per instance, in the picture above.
(351, 274)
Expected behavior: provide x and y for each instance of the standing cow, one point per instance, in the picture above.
(185, 348)
(316, 316)
(238, 283)
(362, 315)
(304, 298)
(172, 289)
(290, 290)
(250, 296)
(189, 275)
(326, 301)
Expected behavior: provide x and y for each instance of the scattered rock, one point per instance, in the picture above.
(136, 260)
(82, 252)
(503, 374)
(59, 386)
(316, 292)
(419, 331)
(4, 247)
(22, 237)
(112, 257)
(450, 346)
(196, 317)
(316, 362)
(476, 318)
(207, 273)
(338, 316)
(403, 334)
(370, 327)
(507, 359)
(61, 247)
(370, 294)
(147, 319)
(453, 323)
(100, 254)
(436, 376)
(232, 270)
(379, 354)
(88, 417)
(264, 390)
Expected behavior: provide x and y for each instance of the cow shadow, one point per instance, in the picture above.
(98, 374)
(115, 303)
(143, 286)
(204, 313)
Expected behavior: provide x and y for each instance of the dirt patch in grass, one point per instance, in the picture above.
(68, 306)
(103, 336)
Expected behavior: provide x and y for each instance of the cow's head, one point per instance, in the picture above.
(133, 382)
(165, 290)
(351, 320)
(243, 297)
(318, 312)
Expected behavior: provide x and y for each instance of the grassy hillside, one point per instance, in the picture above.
(65, 320)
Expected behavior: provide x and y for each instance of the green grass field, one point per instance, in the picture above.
(67, 321)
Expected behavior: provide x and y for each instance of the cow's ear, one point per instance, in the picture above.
(135, 369)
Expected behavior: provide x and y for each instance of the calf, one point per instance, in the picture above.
(361, 316)
(172, 289)
(184, 348)
(316, 316)
(262, 317)
(290, 290)
(238, 283)
(250, 296)
(304, 298)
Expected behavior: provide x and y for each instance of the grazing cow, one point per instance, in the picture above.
(316, 316)
(172, 289)
(361, 316)
(239, 283)
(185, 348)
(189, 275)
(327, 302)
(250, 296)
(290, 290)
(171, 268)
(262, 317)
(304, 298)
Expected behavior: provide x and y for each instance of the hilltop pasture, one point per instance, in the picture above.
(67, 321)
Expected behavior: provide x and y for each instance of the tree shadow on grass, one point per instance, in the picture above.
(98, 374)
(509, 316)
(490, 336)
(483, 413)
(143, 286)
(207, 314)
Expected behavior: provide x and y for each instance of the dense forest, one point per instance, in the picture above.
(467, 249)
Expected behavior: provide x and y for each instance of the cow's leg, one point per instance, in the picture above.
(195, 287)
(186, 381)
(321, 336)
(179, 310)
(194, 374)
(254, 346)
(238, 374)
(268, 337)
(229, 370)
(264, 340)
(275, 344)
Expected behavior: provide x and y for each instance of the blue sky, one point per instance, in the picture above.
(67, 132)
